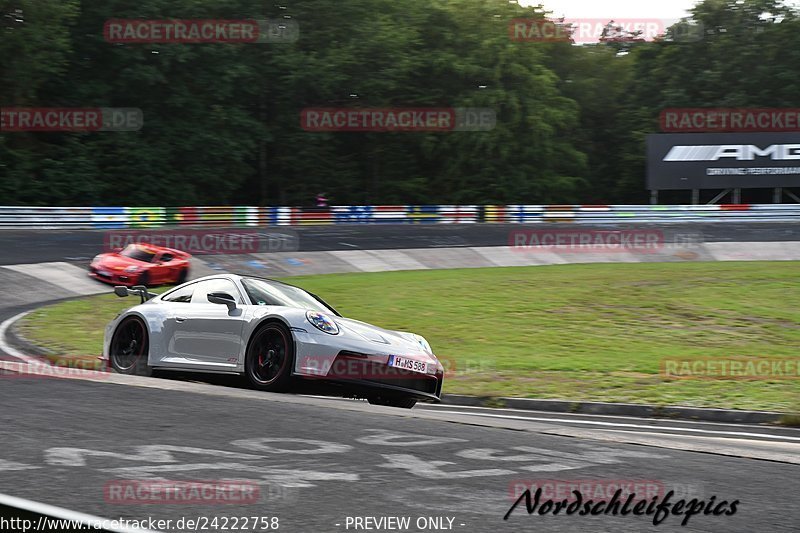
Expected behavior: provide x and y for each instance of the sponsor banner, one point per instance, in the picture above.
(109, 217)
(145, 217)
(352, 214)
(195, 31)
(397, 119)
(722, 120)
(730, 368)
(423, 214)
(62, 119)
(204, 242)
(313, 216)
(594, 30)
(586, 241)
(166, 492)
(723, 160)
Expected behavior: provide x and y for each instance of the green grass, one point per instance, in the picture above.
(577, 332)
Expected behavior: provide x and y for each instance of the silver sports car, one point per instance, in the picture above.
(273, 333)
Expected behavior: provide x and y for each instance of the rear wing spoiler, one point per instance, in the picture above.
(141, 290)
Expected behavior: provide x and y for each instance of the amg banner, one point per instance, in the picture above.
(723, 160)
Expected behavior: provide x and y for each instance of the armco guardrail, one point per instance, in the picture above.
(148, 217)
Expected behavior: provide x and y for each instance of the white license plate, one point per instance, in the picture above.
(104, 273)
(408, 364)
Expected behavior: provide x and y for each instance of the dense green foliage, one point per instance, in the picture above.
(222, 121)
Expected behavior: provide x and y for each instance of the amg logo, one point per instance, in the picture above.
(740, 152)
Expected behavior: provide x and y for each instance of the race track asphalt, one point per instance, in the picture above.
(27, 246)
(318, 461)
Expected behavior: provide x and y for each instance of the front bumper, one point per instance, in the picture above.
(363, 372)
(361, 368)
(114, 278)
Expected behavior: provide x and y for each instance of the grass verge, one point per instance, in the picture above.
(575, 332)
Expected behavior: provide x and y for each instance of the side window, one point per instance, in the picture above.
(183, 295)
(202, 289)
(166, 258)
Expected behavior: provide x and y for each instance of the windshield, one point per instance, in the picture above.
(139, 254)
(266, 292)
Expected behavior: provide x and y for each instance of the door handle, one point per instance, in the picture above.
(180, 318)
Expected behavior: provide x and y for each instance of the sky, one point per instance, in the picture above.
(619, 9)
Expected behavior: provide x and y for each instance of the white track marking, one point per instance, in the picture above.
(6, 466)
(7, 348)
(430, 469)
(64, 514)
(393, 438)
(154, 453)
(438, 407)
(287, 477)
(623, 425)
(435, 407)
(264, 445)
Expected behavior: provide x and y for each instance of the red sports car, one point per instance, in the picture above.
(141, 264)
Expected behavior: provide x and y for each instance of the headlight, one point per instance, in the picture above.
(96, 259)
(423, 343)
(322, 322)
(131, 269)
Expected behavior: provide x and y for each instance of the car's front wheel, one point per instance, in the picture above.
(402, 402)
(270, 358)
(129, 348)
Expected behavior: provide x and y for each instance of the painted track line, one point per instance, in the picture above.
(592, 416)
(10, 350)
(612, 425)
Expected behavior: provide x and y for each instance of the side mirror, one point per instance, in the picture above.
(222, 298)
(140, 290)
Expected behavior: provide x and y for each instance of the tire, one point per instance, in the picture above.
(182, 275)
(403, 402)
(144, 279)
(269, 359)
(130, 347)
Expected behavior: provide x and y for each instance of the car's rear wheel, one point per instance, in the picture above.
(270, 358)
(182, 275)
(403, 402)
(129, 348)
